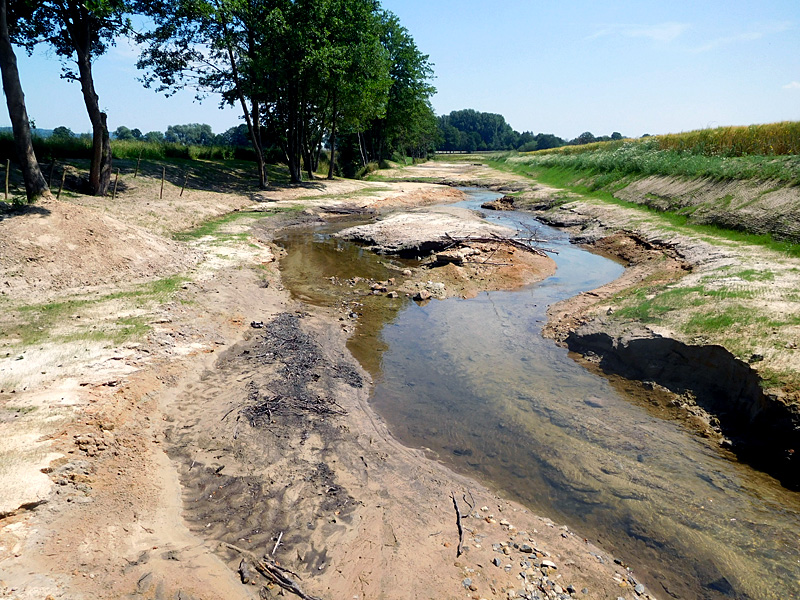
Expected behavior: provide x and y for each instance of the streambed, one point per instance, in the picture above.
(474, 382)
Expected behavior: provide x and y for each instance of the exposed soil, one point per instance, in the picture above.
(235, 427)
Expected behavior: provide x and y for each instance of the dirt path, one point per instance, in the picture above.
(139, 460)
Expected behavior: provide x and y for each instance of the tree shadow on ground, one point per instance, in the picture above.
(8, 210)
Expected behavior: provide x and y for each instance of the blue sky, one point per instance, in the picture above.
(556, 67)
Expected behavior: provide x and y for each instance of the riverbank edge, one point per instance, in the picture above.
(722, 397)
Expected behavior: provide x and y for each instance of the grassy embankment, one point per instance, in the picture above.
(724, 181)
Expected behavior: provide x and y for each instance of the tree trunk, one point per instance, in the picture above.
(333, 140)
(293, 148)
(255, 134)
(253, 119)
(35, 184)
(100, 171)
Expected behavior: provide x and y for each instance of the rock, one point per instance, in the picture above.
(257, 324)
(527, 549)
(549, 564)
(496, 561)
(639, 589)
(467, 582)
(392, 295)
(422, 295)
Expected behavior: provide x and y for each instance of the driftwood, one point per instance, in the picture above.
(526, 244)
(460, 548)
(278, 575)
(271, 571)
(348, 210)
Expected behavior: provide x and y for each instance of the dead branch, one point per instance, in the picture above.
(278, 543)
(470, 504)
(460, 549)
(525, 244)
(348, 210)
(275, 574)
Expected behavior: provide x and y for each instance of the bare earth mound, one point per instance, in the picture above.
(56, 246)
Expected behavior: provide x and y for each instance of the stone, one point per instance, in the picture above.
(466, 582)
(496, 561)
(639, 589)
(526, 548)
(392, 295)
(549, 564)
(422, 295)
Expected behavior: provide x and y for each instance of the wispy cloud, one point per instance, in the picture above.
(747, 36)
(795, 85)
(661, 32)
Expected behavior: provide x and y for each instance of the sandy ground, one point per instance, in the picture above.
(152, 466)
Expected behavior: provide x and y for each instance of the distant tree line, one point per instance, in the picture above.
(469, 130)
(306, 74)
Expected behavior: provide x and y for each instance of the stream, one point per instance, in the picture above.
(474, 383)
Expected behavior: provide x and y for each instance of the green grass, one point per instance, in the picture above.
(572, 180)
(212, 226)
(33, 324)
(607, 162)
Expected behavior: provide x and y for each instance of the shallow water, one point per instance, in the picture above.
(474, 382)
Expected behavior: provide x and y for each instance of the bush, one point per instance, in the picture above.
(369, 168)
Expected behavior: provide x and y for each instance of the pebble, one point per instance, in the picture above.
(467, 582)
(496, 561)
(639, 589)
(526, 549)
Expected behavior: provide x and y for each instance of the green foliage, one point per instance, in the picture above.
(192, 134)
(473, 131)
(575, 181)
(646, 157)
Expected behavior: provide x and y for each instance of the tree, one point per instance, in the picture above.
(492, 130)
(616, 135)
(35, 184)
(355, 68)
(154, 137)
(79, 31)
(123, 133)
(235, 136)
(205, 44)
(193, 133)
(409, 125)
(585, 138)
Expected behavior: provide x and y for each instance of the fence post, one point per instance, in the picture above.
(8, 168)
(138, 160)
(61, 187)
(163, 175)
(114, 193)
(184, 182)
